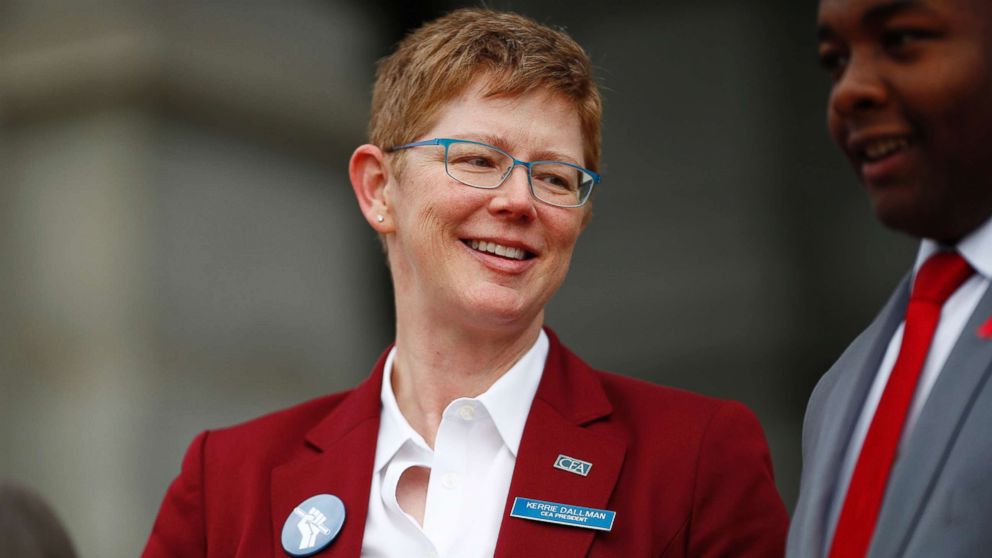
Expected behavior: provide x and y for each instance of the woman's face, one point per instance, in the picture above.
(445, 233)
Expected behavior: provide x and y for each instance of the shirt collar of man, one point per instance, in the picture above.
(507, 401)
(976, 248)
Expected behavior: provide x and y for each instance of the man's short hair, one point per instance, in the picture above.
(437, 61)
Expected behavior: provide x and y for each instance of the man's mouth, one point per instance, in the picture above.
(500, 250)
(876, 150)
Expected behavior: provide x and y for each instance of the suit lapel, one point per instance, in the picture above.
(851, 377)
(338, 460)
(918, 467)
(569, 398)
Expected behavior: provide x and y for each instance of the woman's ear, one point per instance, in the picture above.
(369, 176)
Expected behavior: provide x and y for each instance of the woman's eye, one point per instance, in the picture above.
(476, 161)
(556, 181)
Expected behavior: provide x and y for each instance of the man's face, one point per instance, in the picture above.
(911, 107)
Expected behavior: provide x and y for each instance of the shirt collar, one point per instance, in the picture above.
(507, 401)
(394, 430)
(976, 248)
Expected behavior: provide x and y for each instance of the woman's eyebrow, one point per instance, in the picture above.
(555, 156)
(500, 142)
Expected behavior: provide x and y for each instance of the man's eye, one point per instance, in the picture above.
(833, 61)
(898, 38)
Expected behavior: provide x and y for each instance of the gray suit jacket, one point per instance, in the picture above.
(939, 499)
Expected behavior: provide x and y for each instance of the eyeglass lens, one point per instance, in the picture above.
(484, 167)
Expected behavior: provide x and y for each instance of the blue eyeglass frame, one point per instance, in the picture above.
(446, 143)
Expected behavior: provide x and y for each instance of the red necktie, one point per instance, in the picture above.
(936, 280)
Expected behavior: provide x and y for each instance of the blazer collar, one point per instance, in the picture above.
(832, 423)
(562, 421)
(570, 387)
(342, 451)
(569, 401)
(926, 451)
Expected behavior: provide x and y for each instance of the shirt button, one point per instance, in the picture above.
(467, 412)
(450, 481)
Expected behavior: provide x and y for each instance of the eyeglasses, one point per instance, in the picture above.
(481, 165)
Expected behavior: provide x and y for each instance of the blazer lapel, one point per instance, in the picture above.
(338, 460)
(569, 398)
(918, 467)
(841, 406)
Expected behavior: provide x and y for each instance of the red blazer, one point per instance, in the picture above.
(687, 475)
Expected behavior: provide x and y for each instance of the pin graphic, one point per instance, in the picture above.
(313, 525)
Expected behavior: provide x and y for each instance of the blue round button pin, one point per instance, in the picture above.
(312, 525)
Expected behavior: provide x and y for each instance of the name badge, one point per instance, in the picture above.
(563, 514)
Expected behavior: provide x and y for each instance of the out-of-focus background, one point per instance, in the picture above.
(180, 249)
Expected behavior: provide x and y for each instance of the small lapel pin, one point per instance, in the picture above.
(985, 330)
(563, 514)
(573, 465)
(312, 525)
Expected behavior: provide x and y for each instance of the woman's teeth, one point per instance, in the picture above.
(498, 249)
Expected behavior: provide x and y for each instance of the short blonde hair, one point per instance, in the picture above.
(437, 61)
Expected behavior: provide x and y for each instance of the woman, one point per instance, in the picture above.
(478, 433)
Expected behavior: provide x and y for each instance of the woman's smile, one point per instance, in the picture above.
(506, 257)
(499, 249)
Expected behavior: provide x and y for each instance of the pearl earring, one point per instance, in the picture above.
(380, 218)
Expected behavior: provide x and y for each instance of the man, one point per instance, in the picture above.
(896, 449)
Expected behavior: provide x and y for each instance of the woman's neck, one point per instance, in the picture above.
(434, 365)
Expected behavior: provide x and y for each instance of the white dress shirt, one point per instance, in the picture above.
(976, 248)
(470, 467)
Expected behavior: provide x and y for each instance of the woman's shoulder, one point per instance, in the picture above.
(272, 437)
(704, 434)
(296, 417)
(650, 404)
(645, 405)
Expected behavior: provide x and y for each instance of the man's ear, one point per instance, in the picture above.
(369, 176)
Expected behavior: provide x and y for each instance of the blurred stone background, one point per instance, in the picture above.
(180, 250)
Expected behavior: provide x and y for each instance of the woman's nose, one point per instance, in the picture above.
(513, 198)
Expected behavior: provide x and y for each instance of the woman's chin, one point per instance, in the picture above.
(501, 306)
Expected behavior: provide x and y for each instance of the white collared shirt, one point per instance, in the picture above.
(470, 467)
(976, 248)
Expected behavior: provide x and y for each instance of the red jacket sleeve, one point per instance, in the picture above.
(737, 511)
(178, 531)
